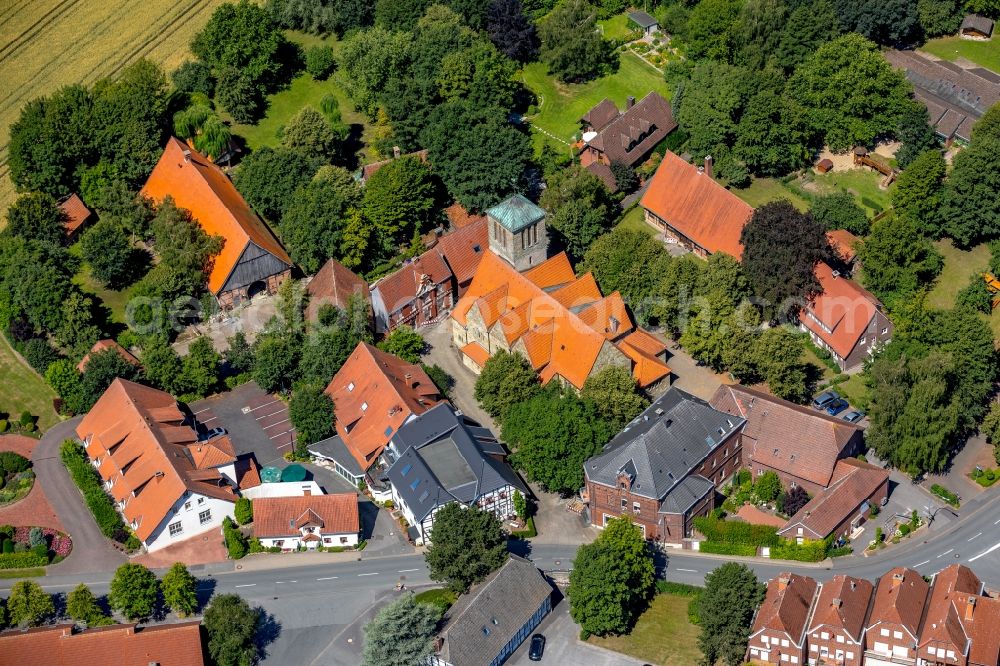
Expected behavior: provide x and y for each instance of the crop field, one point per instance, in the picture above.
(45, 44)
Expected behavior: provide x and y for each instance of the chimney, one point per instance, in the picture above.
(854, 585)
(970, 607)
(897, 578)
(396, 152)
(837, 603)
(708, 165)
(836, 274)
(783, 582)
(630, 102)
(187, 155)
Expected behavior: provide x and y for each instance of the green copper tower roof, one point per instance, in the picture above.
(516, 213)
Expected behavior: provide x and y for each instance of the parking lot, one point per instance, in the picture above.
(257, 421)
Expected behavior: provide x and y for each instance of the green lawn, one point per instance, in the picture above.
(115, 301)
(959, 267)
(861, 183)
(663, 635)
(24, 389)
(765, 190)
(635, 219)
(985, 54)
(303, 91)
(561, 105)
(617, 27)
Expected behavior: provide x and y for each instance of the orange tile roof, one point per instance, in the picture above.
(900, 598)
(842, 605)
(463, 249)
(214, 453)
(460, 217)
(198, 185)
(475, 351)
(609, 317)
(333, 284)
(647, 369)
(136, 433)
(844, 308)
(786, 606)
(697, 206)
(843, 242)
(644, 341)
(400, 288)
(285, 516)
(373, 394)
(945, 622)
(104, 345)
(76, 213)
(556, 330)
(176, 644)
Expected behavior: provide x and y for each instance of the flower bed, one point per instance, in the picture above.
(17, 551)
(16, 477)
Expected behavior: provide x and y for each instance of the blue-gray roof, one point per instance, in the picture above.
(444, 459)
(515, 213)
(642, 19)
(662, 447)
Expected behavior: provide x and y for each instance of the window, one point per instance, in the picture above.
(279, 543)
(201, 500)
(863, 340)
(350, 387)
(784, 642)
(205, 516)
(175, 528)
(849, 655)
(343, 539)
(624, 503)
(885, 330)
(764, 640)
(825, 635)
(884, 632)
(898, 635)
(813, 647)
(840, 639)
(187, 506)
(327, 540)
(636, 507)
(364, 406)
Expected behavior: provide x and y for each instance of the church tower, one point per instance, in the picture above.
(517, 232)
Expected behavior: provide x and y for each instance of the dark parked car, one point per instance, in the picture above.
(824, 399)
(537, 647)
(853, 416)
(836, 407)
(211, 434)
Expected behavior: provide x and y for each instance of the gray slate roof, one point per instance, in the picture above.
(444, 459)
(335, 449)
(515, 213)
(484, 619)
(661, 448)
(642, 19)
(977, 22)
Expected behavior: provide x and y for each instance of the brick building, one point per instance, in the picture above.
(663, 468)
(893, 625)
(836, 632)
(778, 635)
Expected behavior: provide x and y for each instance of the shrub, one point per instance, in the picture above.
(4, 425)
(527, 533)
(26, 419)
(36, 537)
(243, 511)
(39, 354)
(742, 476)
(904, 529)
(736, 533)
(8, 546)
(320, 62)
(23, 560)
(236, 543)
(12, 463)
(808, 551)
(719, 548)
(945, 494)
(86, 479)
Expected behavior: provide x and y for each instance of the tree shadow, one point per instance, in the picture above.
(519, 547)
(369, 514)
(351, 146)
(268, 630)
(59, 600)
(205, 592)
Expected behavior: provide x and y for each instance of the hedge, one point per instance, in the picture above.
(945, 494)
(528, 532)
(23, 560)
(86, 479)
(808, 551)
(719, 548)
(680, 589)
(12, 463)
(736, 533)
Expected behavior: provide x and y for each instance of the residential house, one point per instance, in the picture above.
(961, 625)
(75, 214)
(644, 22)
(488, 623)
(561, 323)
(845, 319)
(105, 345)
(166, 484)
(778, 635)
(688, 206)
(842, 508)
(955, 97)
(800, 444)
(625, 137)
(251, 261)
(369, 170)
(663, 468)
(309, 521)
(517, 232)
(843, 246)
(441, 457)
(174, 644)
(837, 627)
(893, 629)
(976, 27)
(424, 290)
(374, 393)
(334, 285)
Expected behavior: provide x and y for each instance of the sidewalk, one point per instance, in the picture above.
(269, 561)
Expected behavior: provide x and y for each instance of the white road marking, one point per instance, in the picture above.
(254, 409)
(202, 411)
(280, 433)
(997, 522)
(282, 582)
(246, 585)
(369, 574)
(922, 563)
(688, 570)
(273, 425)
(975, 537)
(407, 570)
(327, 578)
(207, 420)
(986, 552)
(264, 416)
(944, 553)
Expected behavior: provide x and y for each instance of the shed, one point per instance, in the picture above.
(824, 165)
(860, 151)
(644, 22)
(975, 26)
(75, 214)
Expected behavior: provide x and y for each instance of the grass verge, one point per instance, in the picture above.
(766, 190)
(635, 220)
(23, 388)
(663, 634)
(22, 573)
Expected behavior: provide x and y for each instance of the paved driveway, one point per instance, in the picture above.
(443, 353)
(91, 550)
(257, 422)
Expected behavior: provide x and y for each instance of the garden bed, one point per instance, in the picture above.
(31, 546)
(16, 477)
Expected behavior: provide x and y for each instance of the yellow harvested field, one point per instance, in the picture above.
(45, 44)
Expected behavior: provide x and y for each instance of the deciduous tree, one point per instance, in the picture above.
(243, 36)
(570, 44)
(614, 392)
(511, 31)
(268, 179)
(400, 634)
(630, 262)
(971, 209)
(839, 211)
(35, 216)
(580, 208)
(399, 200)
(506, 379)
(726, 608)
(309, 132)
(275, 360)
(28, 605)
(918, 190)
(467, 545)
(897, 258)
(81, 605)
(200, 368)
(134, 589)
(405, 343)
(108, 251)
(311, 412)
(231, 625)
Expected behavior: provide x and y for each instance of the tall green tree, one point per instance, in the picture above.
(268, 179)
(134, 589)
(28, 605)
(310, 133)
(231, 625)
(809, 25)
(506, 379)
(399, 199)
(726, 608)
(915, 133)
(898, 259)
(81, 605)
(102, 368)
(405, 343)
(757, 31)
(970, 208)
(313, 224)
(162, 364)
(200, 367)
(917, 194)
(630, 262)
(245, 37)
(400, 634)
(311, 412)
(612, 579)
(614, 393)
(180, 590)
(571, 46)
(275, 361)
(709, 30)
(35, 216)
(580, 208)
(839, 211)
(108, 251)
(467, 545)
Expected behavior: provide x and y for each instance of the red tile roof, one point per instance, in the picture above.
(843, 244)
(609, 317)
(697, 206)
(76, 213)
(116, 645)
(400, 288)
(198, 185)
(475, 351)
(373, 394)
(797, 440)
(855, 482)
(843, 605)
(104, 345)
(786, 606)
(137, 434)
(552, 272)
(459, 217)
(463, 249)
(284, 516)
(844, 308)
(333, 284)
(214, 453)
(900, 598)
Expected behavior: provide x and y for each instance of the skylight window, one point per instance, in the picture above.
(364, 406)
(406, 469)
(416, 482)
